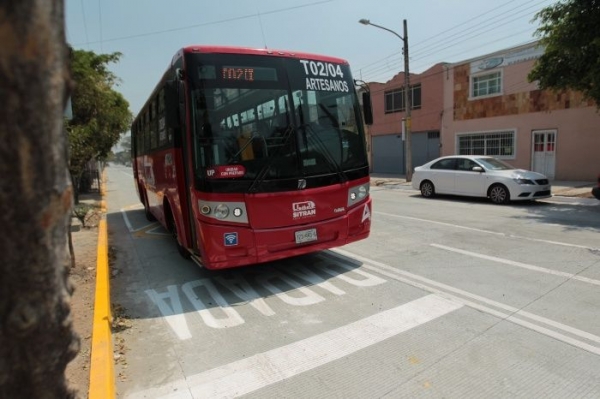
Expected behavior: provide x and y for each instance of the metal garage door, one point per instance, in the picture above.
(388, 151)
(388, 154)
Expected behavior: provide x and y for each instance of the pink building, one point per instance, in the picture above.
(386, 140)
(490, 108)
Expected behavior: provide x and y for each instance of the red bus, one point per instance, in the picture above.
(252, 155)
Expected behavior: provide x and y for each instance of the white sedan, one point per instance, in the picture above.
(479, 176)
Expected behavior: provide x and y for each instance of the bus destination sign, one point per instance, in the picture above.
(248, 74)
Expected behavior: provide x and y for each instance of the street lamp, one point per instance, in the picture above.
(407, 93)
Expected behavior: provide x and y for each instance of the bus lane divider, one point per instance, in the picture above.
(559, 331)
(214, 309)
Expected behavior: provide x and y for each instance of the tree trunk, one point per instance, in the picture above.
(36, 335)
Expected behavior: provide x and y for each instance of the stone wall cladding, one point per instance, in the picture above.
(511, 104)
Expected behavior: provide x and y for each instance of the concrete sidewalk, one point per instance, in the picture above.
(561, 188)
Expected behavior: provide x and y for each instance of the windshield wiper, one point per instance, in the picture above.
(326, 153)
(265, 169)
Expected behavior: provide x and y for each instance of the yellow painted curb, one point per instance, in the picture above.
(102, 373)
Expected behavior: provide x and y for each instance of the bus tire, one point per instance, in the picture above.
(149, 216)
(172, 227)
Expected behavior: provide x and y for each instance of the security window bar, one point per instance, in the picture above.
(486, 85)
(394, 100)
(497, 144)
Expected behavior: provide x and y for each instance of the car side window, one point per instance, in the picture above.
(445, 164)
(466, 165)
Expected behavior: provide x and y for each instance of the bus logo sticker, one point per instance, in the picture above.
(366, 213)
(304, 209)
(230, 239)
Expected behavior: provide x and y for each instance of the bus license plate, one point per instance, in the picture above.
(303, 236)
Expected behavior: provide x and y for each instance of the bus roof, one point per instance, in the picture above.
(260, 51)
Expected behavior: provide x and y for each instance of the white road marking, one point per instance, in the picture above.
(263, 369)
(128, 223)
(564, 244)
(449, 291)
(172, 311)
(170, 305)
(570, 276)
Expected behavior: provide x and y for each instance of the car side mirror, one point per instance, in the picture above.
(367, 108)
(477, 169)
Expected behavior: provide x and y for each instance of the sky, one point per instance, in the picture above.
(149, 32)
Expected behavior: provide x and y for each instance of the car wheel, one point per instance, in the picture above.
(427, 189)
(499, 194)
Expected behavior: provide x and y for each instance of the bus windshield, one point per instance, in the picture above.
(258, 118)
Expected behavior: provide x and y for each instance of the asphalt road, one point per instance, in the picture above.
(449, 297)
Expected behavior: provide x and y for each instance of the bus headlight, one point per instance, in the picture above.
(357, 194)
(231, 211)
(362, 192)
(205, 209)
(221, 211)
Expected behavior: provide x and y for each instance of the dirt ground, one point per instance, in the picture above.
(83, 276)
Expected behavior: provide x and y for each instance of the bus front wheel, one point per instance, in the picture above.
(149, 216)
(172, 227)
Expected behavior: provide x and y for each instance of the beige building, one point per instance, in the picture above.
(490, 108)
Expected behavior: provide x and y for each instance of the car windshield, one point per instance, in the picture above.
(494, 164)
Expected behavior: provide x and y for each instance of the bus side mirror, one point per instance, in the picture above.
(367, 108)
(172, 104)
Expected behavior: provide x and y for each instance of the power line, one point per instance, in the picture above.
(462, 24)
(100, 23)
(489, 23)
(371, 69)
(87, 39)
(455, 43)
(158, 32)
(446, 69)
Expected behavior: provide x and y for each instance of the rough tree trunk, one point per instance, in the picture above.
(36, 336)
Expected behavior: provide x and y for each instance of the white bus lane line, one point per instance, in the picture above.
(456, 226)
(457, 294)
(258, 371)
(146, 226)
(223, 314)
(571, 276)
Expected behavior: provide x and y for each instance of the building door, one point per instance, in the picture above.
(544, 152)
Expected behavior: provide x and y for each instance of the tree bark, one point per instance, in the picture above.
(36, 335)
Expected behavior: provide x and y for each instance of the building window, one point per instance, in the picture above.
(394, 100)
(486, 85)
(416, 96)
(496, 144)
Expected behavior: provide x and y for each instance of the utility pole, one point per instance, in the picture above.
(407, 95)
(408, 106)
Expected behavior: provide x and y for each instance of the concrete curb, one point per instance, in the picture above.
(102, 374)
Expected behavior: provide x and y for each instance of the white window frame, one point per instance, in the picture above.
(512, 132)
(472, 78)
